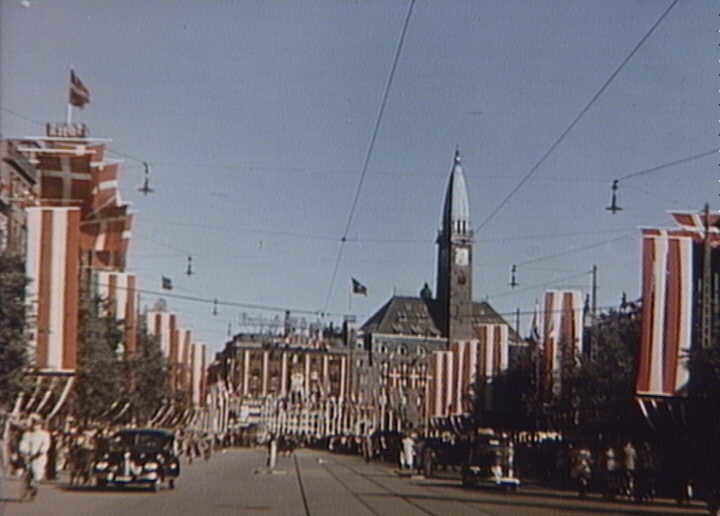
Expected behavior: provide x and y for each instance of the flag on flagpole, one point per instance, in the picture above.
(358, 288)
(79, 94)
(167, 283)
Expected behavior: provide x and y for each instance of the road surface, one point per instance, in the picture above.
(311, 483)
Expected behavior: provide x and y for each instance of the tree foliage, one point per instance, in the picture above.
(704, 367)
(148, 376)
(523, 396)
(99, 382)
(607, 374)
(108, 377)
(14, 357)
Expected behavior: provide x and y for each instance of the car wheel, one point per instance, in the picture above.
(171, 483)
(101, 483)
(154, 487)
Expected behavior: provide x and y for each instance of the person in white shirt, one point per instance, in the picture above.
(407, 454)
(629, 459)
(34, 446)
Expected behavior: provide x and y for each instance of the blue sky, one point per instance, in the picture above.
(256, 117)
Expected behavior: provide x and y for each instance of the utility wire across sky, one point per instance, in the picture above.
(575, 121)
(370, 148)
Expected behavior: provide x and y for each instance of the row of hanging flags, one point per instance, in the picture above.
(79, 223)
(76, 221)
(453, 372)
(79, 230)
(187, 358)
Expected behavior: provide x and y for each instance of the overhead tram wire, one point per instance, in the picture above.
(680, 161)
(313, 236)
(575, 121)
(573, 250)
(538, 285)
(232, 304)
(370, 148)
(614, 207)
(21, 116)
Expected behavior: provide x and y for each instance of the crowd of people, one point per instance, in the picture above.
(620, 470)
(70, 447)
(634, 470)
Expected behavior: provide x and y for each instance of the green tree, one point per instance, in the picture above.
(14, 358)
(593, 384)
(598, 385)
(607, 374)
(148, 376)
(511, 399)
(99, 381)
(704, 368)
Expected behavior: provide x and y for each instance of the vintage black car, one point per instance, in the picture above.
(491, 462)
(138, 457)
(433, 454)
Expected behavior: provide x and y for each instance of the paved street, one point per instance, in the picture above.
(312, 483)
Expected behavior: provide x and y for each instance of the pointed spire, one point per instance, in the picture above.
(456, 211)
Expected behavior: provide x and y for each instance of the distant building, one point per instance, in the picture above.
(291, 383)
(432, 348)
(18, 188)
(276, 369)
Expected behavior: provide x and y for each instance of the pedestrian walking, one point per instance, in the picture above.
(34, 447)
(368, 448)
(581, 470)
(407, 452)
(629, 469)
(611, 473)
(272, 448)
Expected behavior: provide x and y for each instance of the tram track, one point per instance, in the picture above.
(301, 486)
(406, 498)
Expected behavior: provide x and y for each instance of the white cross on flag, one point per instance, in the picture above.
(65, 178)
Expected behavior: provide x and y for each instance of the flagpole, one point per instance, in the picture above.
(350, 301)
(68, 118)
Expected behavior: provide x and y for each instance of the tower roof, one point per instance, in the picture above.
(456, 211)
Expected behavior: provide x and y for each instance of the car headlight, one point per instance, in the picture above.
(101, 465)
(151, 466)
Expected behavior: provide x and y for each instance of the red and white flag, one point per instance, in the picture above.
(669, 276)
(563, 339)
(119, 290)
(107, 236)
(442, 393)
(163, 325)
(79, 94)
(65, 178)
(104, 193)
(53, 265)
(196, 372)
(696, 221)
